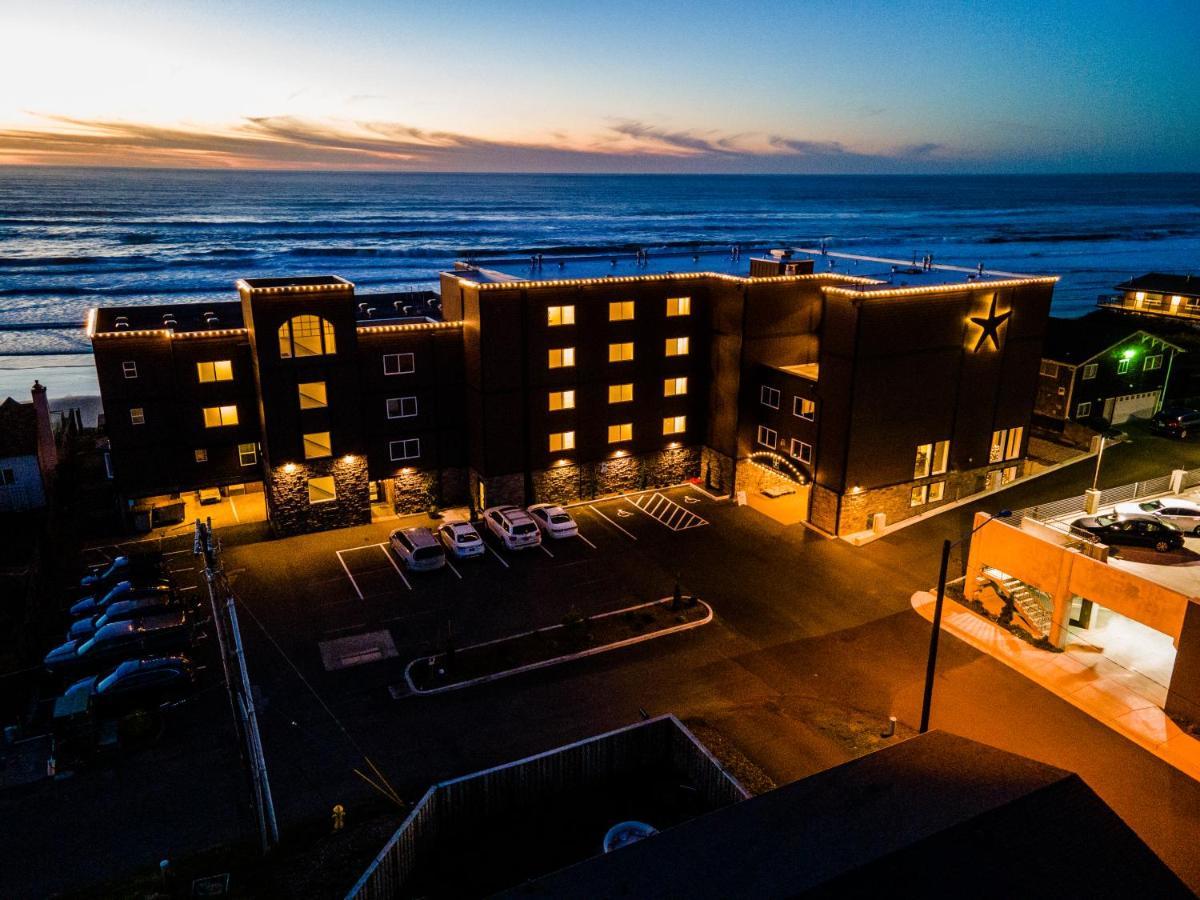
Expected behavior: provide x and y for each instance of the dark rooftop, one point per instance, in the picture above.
(18, 429)
(934, 816)
(1163, 283)
(302, 281)
(1076, 341)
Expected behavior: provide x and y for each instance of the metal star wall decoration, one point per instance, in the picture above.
(990, 325)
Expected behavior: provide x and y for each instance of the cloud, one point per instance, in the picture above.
(289, 142)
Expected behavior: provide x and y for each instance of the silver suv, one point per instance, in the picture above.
(513, 526)
(418, 549)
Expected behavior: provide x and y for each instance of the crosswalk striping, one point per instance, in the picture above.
(666, 511)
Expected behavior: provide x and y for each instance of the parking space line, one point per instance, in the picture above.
(580, 535)
(632, 537)
(454, 570)
(233, 506)
(666, 512)
(353, 583)
(395, 565)
(503, 561)
(546, 551)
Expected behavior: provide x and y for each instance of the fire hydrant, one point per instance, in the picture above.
(339, 817)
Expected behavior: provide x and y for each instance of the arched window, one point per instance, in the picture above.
(306, 336)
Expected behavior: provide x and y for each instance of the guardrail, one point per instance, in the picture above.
(1138, 490)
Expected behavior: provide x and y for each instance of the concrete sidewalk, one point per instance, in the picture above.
(1124, 700)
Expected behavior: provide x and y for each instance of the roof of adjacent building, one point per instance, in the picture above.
(934, 816)
(1075, 341)
(1163, 283)
(18, 429)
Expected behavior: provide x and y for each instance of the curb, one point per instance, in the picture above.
(553, 661)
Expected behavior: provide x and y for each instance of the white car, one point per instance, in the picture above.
(417, 549)
(1184, 514)
(461, 539)
(515, 527)
(555, 521)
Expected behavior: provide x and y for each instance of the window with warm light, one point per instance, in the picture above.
(1006, 444)
(620, 393)
(677, 346)
(201, 455)
(317, 445)
(137, 416)
(1012, 448)
(937, 491)
(401, 407)
(220, 416)
(562, 400)
(674, 424)
(674, 387)
(313, 395)
(306, 336)
(560, 315)
(562, 357)
(247, 454)
(620, 352)
(801, 450)
(1049, 369)
(406, 449)
(768, 437)
(769, 396)
(620, 311)
(619, 433)
(679, 306)
(1008, 474)
(562, 440)
(923, 461)
(804, 408)
(214, 370)
(919, 495)
(941, 457)
(321, 490)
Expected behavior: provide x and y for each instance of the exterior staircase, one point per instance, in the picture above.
(1028, 605)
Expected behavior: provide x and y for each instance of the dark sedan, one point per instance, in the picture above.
(1132, 531)
(164, 633)
(123, 590)
(134, 606)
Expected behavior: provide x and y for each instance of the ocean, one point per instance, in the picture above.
(75, 238)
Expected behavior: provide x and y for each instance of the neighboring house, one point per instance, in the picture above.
(1101, 370)
(27, 452)
(1158, 294)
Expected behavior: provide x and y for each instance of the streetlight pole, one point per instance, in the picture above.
(931, 662)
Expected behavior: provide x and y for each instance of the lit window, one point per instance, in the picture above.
(137, 416)
(620, 393)
(560, 315)
(622, 432)
(562, 400)
(621, 311)
(129, 369)
(1049, 369)
(769, 396)
(399, 364)
(401, 407)
(218, 416)
(679, 306)
(1083, 410)
(1152, 363)
(674, 424)
(923, 461)
(941, 457)
(768, 437)
(215, 370)
(201, 455)
(406, 449)
(620, 352)
(1123, 366)
(247, 454)
(937, 491)
(673, 387)
(317, 445)
(1012, 449)
(562, 357)
(1008, 474)
(677, 346)
(1089, 371)
(306, 336)
(562, 440)
(804, 408)
(313, 395)
(321, 490)
(996, 452)
(801, 450)
(919, 496)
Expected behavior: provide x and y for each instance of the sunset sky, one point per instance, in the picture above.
(604, 86)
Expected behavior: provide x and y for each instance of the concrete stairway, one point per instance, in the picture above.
(1028, 605)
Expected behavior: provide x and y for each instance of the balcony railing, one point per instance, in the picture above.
(1185, 310)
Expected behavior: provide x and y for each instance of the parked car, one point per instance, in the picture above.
(1183, 513)
(418, 549)
(461, 539)
(132, 607)
(1132, 531)
(123, 568)
(555, 521)
(512, 525)
(1175, 422)
(122, 590)
(163, 633)
(135, 684)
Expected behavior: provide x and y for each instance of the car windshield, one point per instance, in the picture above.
(560, 519)
(1150, 506)
(85, 647)
(466, 537)
(524, 528)
(1105, 521)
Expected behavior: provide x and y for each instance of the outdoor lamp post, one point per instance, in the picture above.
(931, 664)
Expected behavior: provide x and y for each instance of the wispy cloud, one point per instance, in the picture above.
(295, 143)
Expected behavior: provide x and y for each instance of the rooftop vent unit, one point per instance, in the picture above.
(120, 322)
(399, 305)
(371, 312)
(362, 307)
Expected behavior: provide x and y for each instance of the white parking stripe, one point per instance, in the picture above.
(632, 537)
(503, 561)
(546, 551)
(454, 570)
(579, 534)
(395, 565)
(348, 575)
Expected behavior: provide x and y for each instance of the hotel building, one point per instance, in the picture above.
(826, 390)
